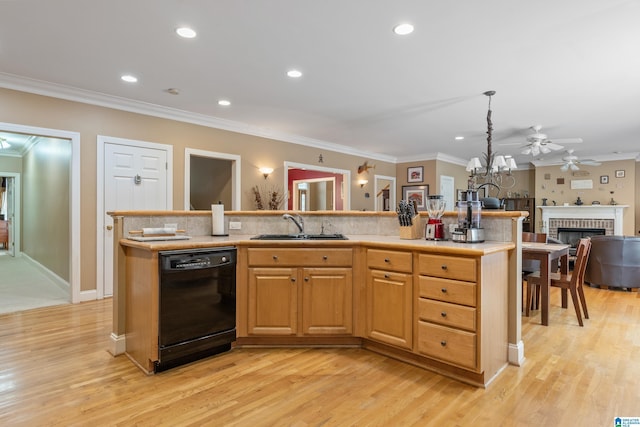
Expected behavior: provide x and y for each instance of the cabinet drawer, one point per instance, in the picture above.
(448, 267)
(307, 257)
(444, 313)
(447, 344)
(446, 290)
(390, 260)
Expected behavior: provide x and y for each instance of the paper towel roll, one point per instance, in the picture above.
(149, 231)
(217, 220)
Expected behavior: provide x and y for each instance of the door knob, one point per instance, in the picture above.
(109, 227)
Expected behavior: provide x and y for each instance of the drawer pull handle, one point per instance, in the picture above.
(306, 279)
(275, 257)
(443, 343)
(443, 266)
(443, 314)
(386, 276)
(444, 290)
(387, 260)
(324, 257)
(293, 279)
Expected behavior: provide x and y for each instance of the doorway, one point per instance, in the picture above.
(209, 178)
(385, 189)
(72, 220)
(302, 172)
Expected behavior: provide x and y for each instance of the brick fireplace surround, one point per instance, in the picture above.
(607, 217)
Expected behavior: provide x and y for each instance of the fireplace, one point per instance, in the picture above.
(608, 217)
(572, 236)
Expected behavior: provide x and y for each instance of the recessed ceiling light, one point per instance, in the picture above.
(459, 138)
(294, 73)
(403, 29)
(186, 32)
(173, 91)
(224, 102)
(129, 78)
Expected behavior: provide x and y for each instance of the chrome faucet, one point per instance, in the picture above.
(299, 223)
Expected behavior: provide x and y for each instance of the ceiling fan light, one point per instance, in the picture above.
(544, 149)
(574, 167)
(511, 163)
(564, 167)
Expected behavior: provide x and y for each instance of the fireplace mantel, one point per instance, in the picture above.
(614, 212)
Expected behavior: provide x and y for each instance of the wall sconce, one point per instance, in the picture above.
(362, 182)
(266, 172)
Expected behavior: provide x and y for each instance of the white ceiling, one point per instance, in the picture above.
(572, 66)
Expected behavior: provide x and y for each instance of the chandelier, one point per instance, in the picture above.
(496, 169)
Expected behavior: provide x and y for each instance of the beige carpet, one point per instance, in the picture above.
(23, 286)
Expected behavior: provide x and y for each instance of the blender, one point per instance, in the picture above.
(469, 212)
(435, 207)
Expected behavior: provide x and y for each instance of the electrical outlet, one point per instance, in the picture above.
(235, 225)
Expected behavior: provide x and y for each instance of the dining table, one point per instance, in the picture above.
(546, 253)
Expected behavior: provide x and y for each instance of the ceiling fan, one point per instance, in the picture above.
(572, 162)
(538, 143)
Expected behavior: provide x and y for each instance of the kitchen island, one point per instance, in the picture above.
(441, 305)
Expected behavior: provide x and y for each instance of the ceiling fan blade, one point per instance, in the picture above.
(565, 140)
(544, 149)
(590, 162)
(553, 146)
(526, 150)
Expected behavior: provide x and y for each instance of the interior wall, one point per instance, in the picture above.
(90, 121)
(555, 185)
(46, 205)
(210, 182)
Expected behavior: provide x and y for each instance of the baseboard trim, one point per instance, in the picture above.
(516, 353)
(117, 344)
(59, 281)
(89, 295)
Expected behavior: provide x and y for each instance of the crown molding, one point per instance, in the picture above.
(39, 87)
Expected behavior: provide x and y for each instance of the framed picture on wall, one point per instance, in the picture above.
(418, 193)
(620, 174)
(415, 174)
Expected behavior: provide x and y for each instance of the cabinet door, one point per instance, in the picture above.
(327, 307)
(273, 301)
(390, 308)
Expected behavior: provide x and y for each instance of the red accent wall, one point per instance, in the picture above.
(300, 174)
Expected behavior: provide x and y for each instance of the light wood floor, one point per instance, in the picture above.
(55, 370)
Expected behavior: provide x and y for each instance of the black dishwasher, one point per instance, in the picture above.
(197, 304)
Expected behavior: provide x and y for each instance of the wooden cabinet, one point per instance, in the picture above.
(302, 291)
(447, 313)
(273, 301)
(527, 204)
(462, 312)
(389, 297)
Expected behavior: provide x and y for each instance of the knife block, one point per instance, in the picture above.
(412, 232)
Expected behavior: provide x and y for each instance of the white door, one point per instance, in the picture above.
(135, 178)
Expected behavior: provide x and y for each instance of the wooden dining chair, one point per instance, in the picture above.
(528, 267)
(572, 282)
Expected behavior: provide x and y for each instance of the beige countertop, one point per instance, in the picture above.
(391, 242)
